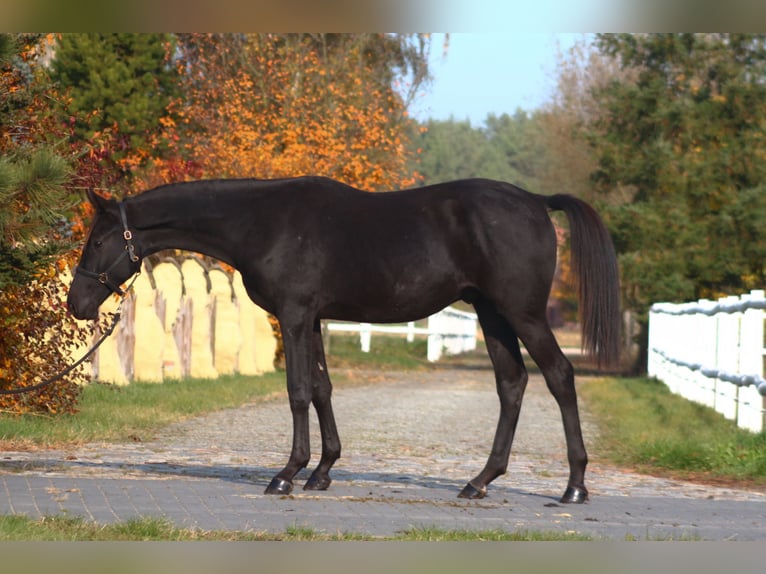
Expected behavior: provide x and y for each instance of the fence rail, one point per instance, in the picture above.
(450, 330)
(712, 352)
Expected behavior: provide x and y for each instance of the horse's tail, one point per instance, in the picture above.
(595, 265)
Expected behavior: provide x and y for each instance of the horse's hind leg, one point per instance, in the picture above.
(321, 398)
(511, 380)
(559, 376)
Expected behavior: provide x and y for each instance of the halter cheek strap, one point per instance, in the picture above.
(127, 235)
(130, 252)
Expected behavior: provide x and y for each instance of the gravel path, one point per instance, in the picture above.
(431, 427)
(410, 442)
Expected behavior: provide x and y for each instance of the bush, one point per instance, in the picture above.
(38, 339)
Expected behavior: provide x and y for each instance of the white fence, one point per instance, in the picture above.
(450, 330)
(712, 352)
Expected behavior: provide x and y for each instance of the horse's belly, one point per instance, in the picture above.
(399, 303)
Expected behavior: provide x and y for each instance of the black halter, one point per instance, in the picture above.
(130, 252)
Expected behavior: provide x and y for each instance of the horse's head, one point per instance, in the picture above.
(108, 259)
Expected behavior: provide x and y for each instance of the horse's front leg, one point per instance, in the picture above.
(297, 339)
(321, 397)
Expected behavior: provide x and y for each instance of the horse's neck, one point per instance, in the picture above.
(175, 218)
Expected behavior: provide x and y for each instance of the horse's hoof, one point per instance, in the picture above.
(470, 491)
(316, 483)
(279, 486)
(575, 495)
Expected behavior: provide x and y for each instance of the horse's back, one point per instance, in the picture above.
(435, 203)
(461, 223)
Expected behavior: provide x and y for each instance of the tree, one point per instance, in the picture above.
(518, 140)
(32, 208)
(564, 157)
(36, 201)
(121, 83)
(450, 149)
(505, 148)
(681, 158)
(563, 123)
(269, 105)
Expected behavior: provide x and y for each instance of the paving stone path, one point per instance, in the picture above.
(410, 442)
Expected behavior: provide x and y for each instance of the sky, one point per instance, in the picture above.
(490, 73)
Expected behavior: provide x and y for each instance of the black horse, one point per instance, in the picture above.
(311, 248)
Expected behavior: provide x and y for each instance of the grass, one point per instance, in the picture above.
(67, 529)
(386, 352)
(75, 529)
(643, 425)
(71, 529)
(135, 411)
(440, 535)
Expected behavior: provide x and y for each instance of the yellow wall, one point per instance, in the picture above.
(149, 333)
(168, 299)
(201, 346)
(225, 328)
(166, 333)
(259, 345)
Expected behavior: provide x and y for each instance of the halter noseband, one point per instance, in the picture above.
(130, 252)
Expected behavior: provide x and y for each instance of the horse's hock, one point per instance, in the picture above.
(185, 319)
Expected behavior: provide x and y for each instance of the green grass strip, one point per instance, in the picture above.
(643, 425)
(137, 410)
(71, 529)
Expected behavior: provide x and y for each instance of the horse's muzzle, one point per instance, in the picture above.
(87, 312)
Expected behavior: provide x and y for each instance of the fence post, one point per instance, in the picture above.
(727, 357)
(706, 340)
(410, 331)
(435, 340)
(449, 329)
(365, 336)
(752, 404)
(654, 361)
(686, 351)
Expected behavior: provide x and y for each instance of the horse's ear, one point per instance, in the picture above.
(100, 203)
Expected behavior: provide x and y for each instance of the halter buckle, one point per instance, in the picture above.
(127, 235)
(131, 251)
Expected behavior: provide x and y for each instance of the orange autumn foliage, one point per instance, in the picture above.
(270, 106)
(36, 333)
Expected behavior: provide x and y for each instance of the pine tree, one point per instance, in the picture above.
(124, 80)
(33, 195)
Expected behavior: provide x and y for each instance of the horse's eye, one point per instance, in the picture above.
(98, 244)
